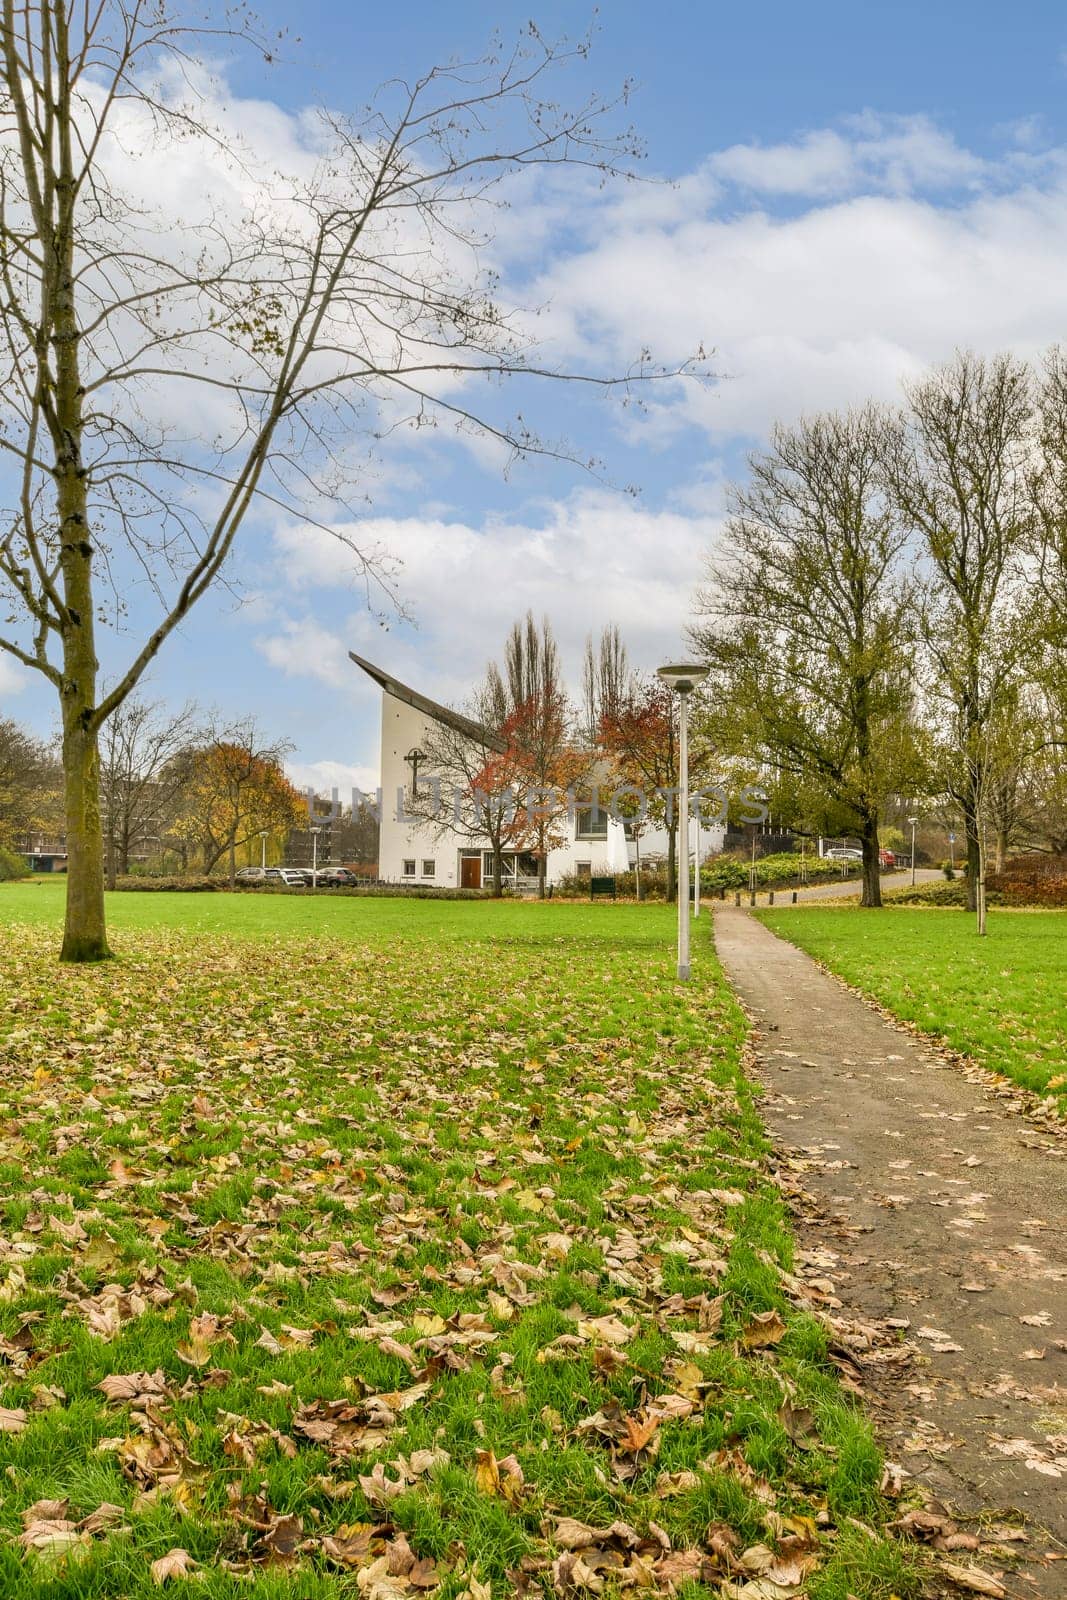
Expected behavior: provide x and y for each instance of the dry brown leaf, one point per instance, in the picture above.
(609, 1330)
(175, 1564)
(765, 1328)
(973, 1579)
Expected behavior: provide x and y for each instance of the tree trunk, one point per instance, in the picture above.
(872, 867)
(974, 860)
(498, 870)
(84, 934)
(1000, 849)
(233, 863)
(542, 874)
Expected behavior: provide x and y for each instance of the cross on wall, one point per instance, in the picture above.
(413, 758)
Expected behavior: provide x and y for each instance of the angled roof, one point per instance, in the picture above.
(430, 708)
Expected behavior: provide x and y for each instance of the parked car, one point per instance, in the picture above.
(288, 877)
(252, 875)
(841, 852)
(337, 877)
(886, 858)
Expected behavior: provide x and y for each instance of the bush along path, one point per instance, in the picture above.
(402, 1267)
(935, 1210)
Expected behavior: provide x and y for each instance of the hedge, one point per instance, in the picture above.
(143, 885)
(943, 894)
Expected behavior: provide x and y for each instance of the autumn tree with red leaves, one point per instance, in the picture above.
(638, 735)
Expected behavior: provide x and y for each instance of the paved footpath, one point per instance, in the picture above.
(841, 888)
(936, 1203)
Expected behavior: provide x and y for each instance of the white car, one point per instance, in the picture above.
(288, 877)
(843, 853)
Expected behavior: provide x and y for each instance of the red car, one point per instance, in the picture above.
(886, 858)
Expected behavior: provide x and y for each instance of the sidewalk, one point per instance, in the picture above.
(932, 1204)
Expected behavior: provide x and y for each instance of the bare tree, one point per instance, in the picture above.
(530, 709)
(360, 837)
(806, 622)
(332, 307)
(606, 678)
(141, 778)
(959, 469)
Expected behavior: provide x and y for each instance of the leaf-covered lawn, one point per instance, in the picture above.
(429, 1252)
(1001, 999)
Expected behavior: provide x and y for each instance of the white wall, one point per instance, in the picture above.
(404, 729)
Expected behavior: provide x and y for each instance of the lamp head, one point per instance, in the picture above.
(682, 677)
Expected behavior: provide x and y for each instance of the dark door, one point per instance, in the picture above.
(470, 872)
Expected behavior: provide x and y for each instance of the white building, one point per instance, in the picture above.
(421, 853)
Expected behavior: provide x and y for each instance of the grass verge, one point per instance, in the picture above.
(1001, 999)
(399, 1250)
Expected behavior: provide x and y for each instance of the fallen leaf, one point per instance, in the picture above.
(175, 1564)
(765, 1328)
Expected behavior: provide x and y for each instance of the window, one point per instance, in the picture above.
(429, 869)
(507, 866)
(590, 824)
(583, 869)
(409, 869)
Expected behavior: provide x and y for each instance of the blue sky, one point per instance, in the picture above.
(860, 189)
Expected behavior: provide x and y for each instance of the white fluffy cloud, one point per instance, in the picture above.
(303, 648)
(899, 154)
(593, 559)
(12, 680)
(895, 248)
(332, 777)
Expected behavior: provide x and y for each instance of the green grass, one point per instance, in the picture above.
(399, 1149)
(1001, 999)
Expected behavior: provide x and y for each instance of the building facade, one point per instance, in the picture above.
(424, 854)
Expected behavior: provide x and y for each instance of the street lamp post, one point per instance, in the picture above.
(263, 848)
(683, 679)
(315, 857)
(914, 823)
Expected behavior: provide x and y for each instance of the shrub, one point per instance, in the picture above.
(944, 894)
(724, 874)
(12, 866)
(170, 885)
(949, 869)
(1032, 880)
